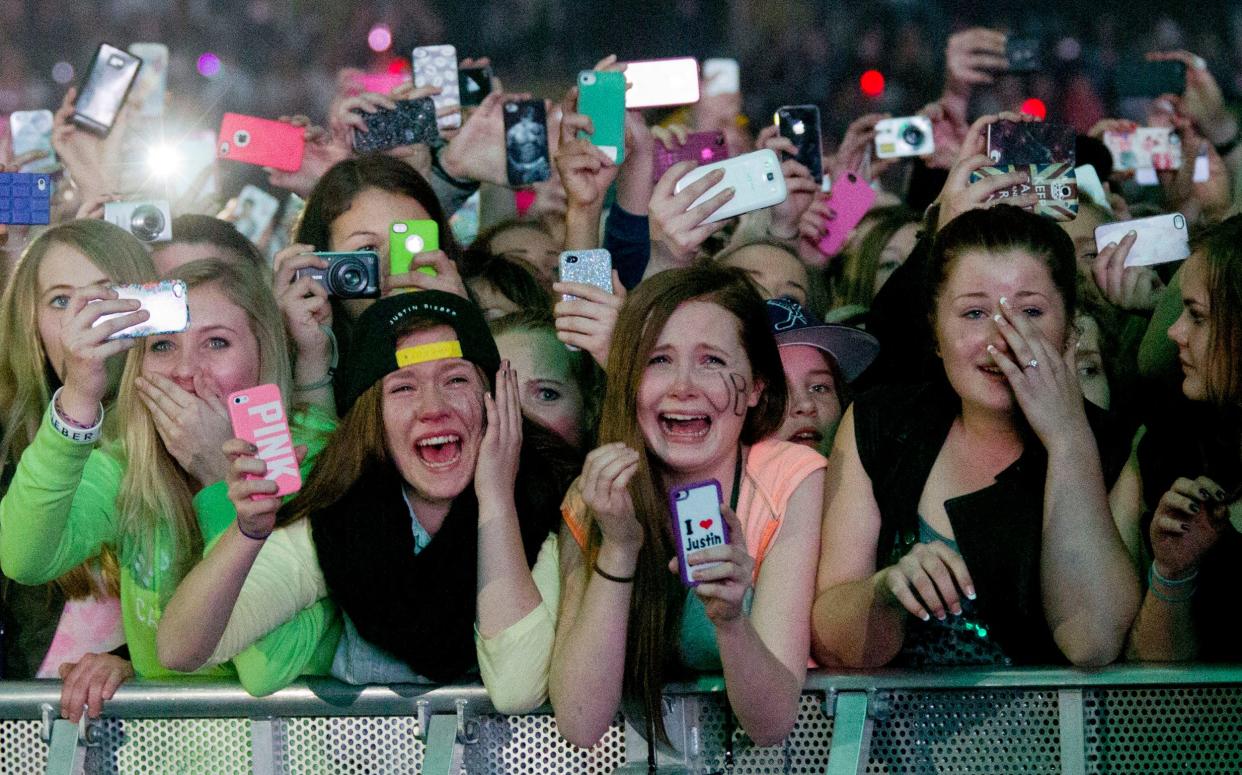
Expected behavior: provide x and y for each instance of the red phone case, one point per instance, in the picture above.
(258, 416)
(260, 141)
(851, 198)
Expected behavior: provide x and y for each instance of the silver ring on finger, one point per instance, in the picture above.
(1031, 364)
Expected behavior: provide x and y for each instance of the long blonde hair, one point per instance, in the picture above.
(27, 379)
(155, 493)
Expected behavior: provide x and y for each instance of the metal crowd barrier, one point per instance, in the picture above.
(1124, 719)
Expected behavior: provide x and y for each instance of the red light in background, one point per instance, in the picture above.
(1034, 107)
(871, 83)
(398, 65)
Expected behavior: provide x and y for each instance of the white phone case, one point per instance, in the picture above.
(437, 66)
(1161, 239)
(756, 177)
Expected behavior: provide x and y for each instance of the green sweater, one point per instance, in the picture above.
(61, 508)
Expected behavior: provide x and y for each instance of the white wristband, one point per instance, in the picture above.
(68, 430)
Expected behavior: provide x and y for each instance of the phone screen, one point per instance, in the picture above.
(107, 83)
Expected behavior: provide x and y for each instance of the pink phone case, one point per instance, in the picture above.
(851, 198)
(258, 416)
(697, 522)
(700, 148)
(261, 141)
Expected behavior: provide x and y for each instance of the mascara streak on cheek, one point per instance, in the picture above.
(739, 393)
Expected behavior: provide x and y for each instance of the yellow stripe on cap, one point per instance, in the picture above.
(432, 351)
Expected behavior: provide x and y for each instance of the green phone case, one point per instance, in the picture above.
(408, 238)
(601, 95)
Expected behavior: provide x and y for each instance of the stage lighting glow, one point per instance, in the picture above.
(1035, 107)
(872, 83)
(380, 38)
(62, 72)
(209, 65)
(164, 161)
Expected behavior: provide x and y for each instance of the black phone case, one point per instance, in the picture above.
(1150, 79)
(473, 84)
(810, 153)
(526, 142)
(411, 123)
(1031, 142)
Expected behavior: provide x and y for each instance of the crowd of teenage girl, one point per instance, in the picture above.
(1007, 448)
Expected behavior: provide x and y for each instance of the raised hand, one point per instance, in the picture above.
(1043, 376)
(802, 188)
(193, 426)
(477, 151)
(1127, 287)
(87, 347)
(1189, 520)
(678, 229)
(495, 471)
(587, 322)
(606, 475)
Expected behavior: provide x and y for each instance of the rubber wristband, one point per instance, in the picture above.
(610, 577)
(333, 360)
(242, 530)
(1155, 574)
(72, 430)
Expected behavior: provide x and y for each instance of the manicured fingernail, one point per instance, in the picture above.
(1004, 300)
(925, 616)
(992, 349)
(1194, 508)
(970, 592)
(997, 317)
(941, 616)
(1131, 233)
(957, 611)
(1204, 493)
(1220, 495)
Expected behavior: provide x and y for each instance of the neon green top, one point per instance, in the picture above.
(61, 508)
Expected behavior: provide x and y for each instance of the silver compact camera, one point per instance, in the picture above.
(148, 221)
(907, 136)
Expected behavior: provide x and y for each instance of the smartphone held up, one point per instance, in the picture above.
(258, 416)
(697, 524)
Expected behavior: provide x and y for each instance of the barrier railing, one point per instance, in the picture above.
(1125, 719)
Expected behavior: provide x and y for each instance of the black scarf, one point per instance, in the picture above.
(420, 608)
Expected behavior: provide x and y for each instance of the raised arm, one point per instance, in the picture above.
(588, 661)
(1089, 588)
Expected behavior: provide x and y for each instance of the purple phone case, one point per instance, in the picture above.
(681, 549)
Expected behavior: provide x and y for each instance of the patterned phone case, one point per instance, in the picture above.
(437, 66)
(411, 123)
(25, 199)
(700, 147)
(31, 130)
(1056, 185)
(697, 523)
(526, 142)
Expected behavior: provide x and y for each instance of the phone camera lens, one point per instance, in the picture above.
(571, 260)
(241, 138)
(912, 135)
(146, 223)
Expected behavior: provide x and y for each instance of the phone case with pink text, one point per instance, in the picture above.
(258, 416)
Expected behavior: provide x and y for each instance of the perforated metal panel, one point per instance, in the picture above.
(183, 746)
(531, 745)
(1185, 729)
(998, 731)
(353, 746)
(22, 751)
(804, 751)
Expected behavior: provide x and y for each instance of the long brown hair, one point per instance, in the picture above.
(655, 608)
(1219, 247)
(27, 379)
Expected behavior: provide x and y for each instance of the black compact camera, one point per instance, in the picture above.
(349, 275)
